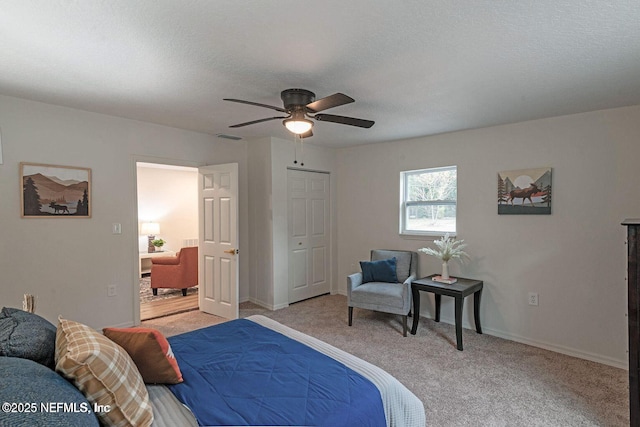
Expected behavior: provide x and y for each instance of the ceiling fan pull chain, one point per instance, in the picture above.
(295, 148)
(301, 150)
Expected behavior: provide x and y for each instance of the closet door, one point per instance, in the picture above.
(309, 235)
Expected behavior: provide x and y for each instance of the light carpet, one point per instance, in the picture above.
(493, 382)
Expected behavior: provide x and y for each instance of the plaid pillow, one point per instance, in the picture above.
(104, 373)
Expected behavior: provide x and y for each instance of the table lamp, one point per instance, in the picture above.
(150, 229)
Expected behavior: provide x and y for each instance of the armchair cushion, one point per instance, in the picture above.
(403, 261)
(382, 295)
(383, 270)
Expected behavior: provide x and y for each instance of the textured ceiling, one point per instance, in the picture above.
(415, 67)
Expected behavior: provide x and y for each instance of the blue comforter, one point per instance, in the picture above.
(241, 373)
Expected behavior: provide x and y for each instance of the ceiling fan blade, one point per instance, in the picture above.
(330, 101)
(282, 110)
(351, 121)
(239, 125)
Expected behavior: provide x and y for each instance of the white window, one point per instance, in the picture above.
(428, 200)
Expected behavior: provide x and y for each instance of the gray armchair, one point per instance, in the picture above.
(382, 296)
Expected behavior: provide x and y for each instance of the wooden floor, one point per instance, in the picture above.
(165, 307)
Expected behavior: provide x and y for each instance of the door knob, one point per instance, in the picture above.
(231, 251)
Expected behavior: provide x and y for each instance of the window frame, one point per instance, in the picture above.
(404, 204)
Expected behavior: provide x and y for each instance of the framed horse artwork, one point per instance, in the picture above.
(49, 191)
(525, 192)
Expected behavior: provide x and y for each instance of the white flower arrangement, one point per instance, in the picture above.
(448, 248)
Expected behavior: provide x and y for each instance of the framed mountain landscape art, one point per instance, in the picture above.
(524, 192)
(49, 191)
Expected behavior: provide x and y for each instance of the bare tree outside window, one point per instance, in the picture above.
(429, 200)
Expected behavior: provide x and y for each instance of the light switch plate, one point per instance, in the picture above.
(116, 228)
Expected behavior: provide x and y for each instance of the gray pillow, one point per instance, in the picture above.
(27, 383)
(28, 336)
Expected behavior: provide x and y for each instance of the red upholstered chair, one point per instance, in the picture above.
(178, 272)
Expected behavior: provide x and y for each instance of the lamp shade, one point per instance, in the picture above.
(150, 228)
(298, 126)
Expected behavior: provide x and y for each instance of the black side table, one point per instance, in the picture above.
(458, 290)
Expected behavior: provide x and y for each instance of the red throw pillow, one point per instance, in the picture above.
(150, 351)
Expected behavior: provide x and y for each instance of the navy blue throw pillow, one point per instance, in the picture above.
(383, 270)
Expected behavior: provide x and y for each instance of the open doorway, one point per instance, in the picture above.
(168, 206)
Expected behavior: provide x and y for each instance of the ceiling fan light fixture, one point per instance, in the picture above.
(300, 105)
(298, 126)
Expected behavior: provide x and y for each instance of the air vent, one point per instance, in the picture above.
(225, 136)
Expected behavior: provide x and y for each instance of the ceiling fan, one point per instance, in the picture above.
(300, 105)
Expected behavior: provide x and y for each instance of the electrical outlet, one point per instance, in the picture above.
(533, 298)
(112, 290)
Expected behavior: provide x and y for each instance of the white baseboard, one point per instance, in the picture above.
(616, 363)
(279, 306)
(569, 351)
(260, 303)
(268, 306)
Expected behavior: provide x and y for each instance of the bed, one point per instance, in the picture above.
(400, 407)
(252, 371)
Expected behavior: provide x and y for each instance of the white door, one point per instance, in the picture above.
(218, 240)
(308, 208)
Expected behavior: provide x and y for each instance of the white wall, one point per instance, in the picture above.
(317, 159)
(68, 263)
(260, 223)
(169, 197)
(269, 159)
(575, 259)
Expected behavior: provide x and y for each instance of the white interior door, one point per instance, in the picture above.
(218, 240)
(309, 236)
